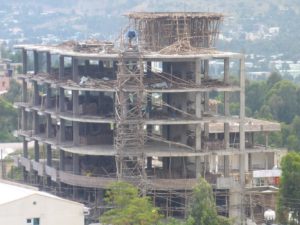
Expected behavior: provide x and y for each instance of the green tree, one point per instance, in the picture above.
(255, 95)
(282, 100)
(129, 207)
(289, 190)
(273, 79)
(203, 207)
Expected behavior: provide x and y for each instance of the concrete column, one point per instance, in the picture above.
(149, 105)
(24, 90)
(149, 163)
(75, 99)
(101, 67)
(242, 136)
(76, 133)
(25, 148)
(36, 151)
(61, 160)
(35, 122)
(227, 114)
(206, 76)
(86, 67)
(198, 132)
(76, 169)
(24, 60)
(24, 119)
(75, 71)
(35, 93)
(48, 62)
(61, 67)
(61, 100)
(62, 132)
(226, 141)
(266, 139)
(149, 69)
(48, 125)
(25, 155)
(49, 155)
(35, 62)
(48, 96)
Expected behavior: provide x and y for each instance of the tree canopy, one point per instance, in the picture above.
(129, 207)
(289, 190)
(203, 207)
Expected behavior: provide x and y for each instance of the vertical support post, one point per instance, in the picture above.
(35, 62)
(76, 164)
(75, 98)
(75, 133)
(35, 93)
(75, 70)
(149, 163)
(49, 155)
(24, 60)
(206, 76)
(242, 136)
(86, 67)
(25, 155)
(25, 148)
(48, 96)
(227, 114)
(198, 132)
(62, 133)
(36, 151)
(24, 120)
(61, 160)
(48, 62)
(61, 67)
(61, 100)
(35, 120)
(24, 90)
(48, 125)
(149, 69)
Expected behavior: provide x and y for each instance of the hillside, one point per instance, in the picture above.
(245, 29)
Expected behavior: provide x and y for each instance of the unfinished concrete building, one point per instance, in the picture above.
(141, 110)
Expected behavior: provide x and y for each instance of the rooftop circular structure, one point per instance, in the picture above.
(176, 31)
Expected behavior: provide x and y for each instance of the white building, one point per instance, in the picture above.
(24, 206)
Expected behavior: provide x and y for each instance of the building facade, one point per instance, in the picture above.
(20, 205)
(100, 112)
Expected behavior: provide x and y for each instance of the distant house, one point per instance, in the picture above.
(20, 205)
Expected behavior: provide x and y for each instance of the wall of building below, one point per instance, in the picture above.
(49, 210)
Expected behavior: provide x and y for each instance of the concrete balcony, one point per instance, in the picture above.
(38, 167)
(26, 163)
(52, 172)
